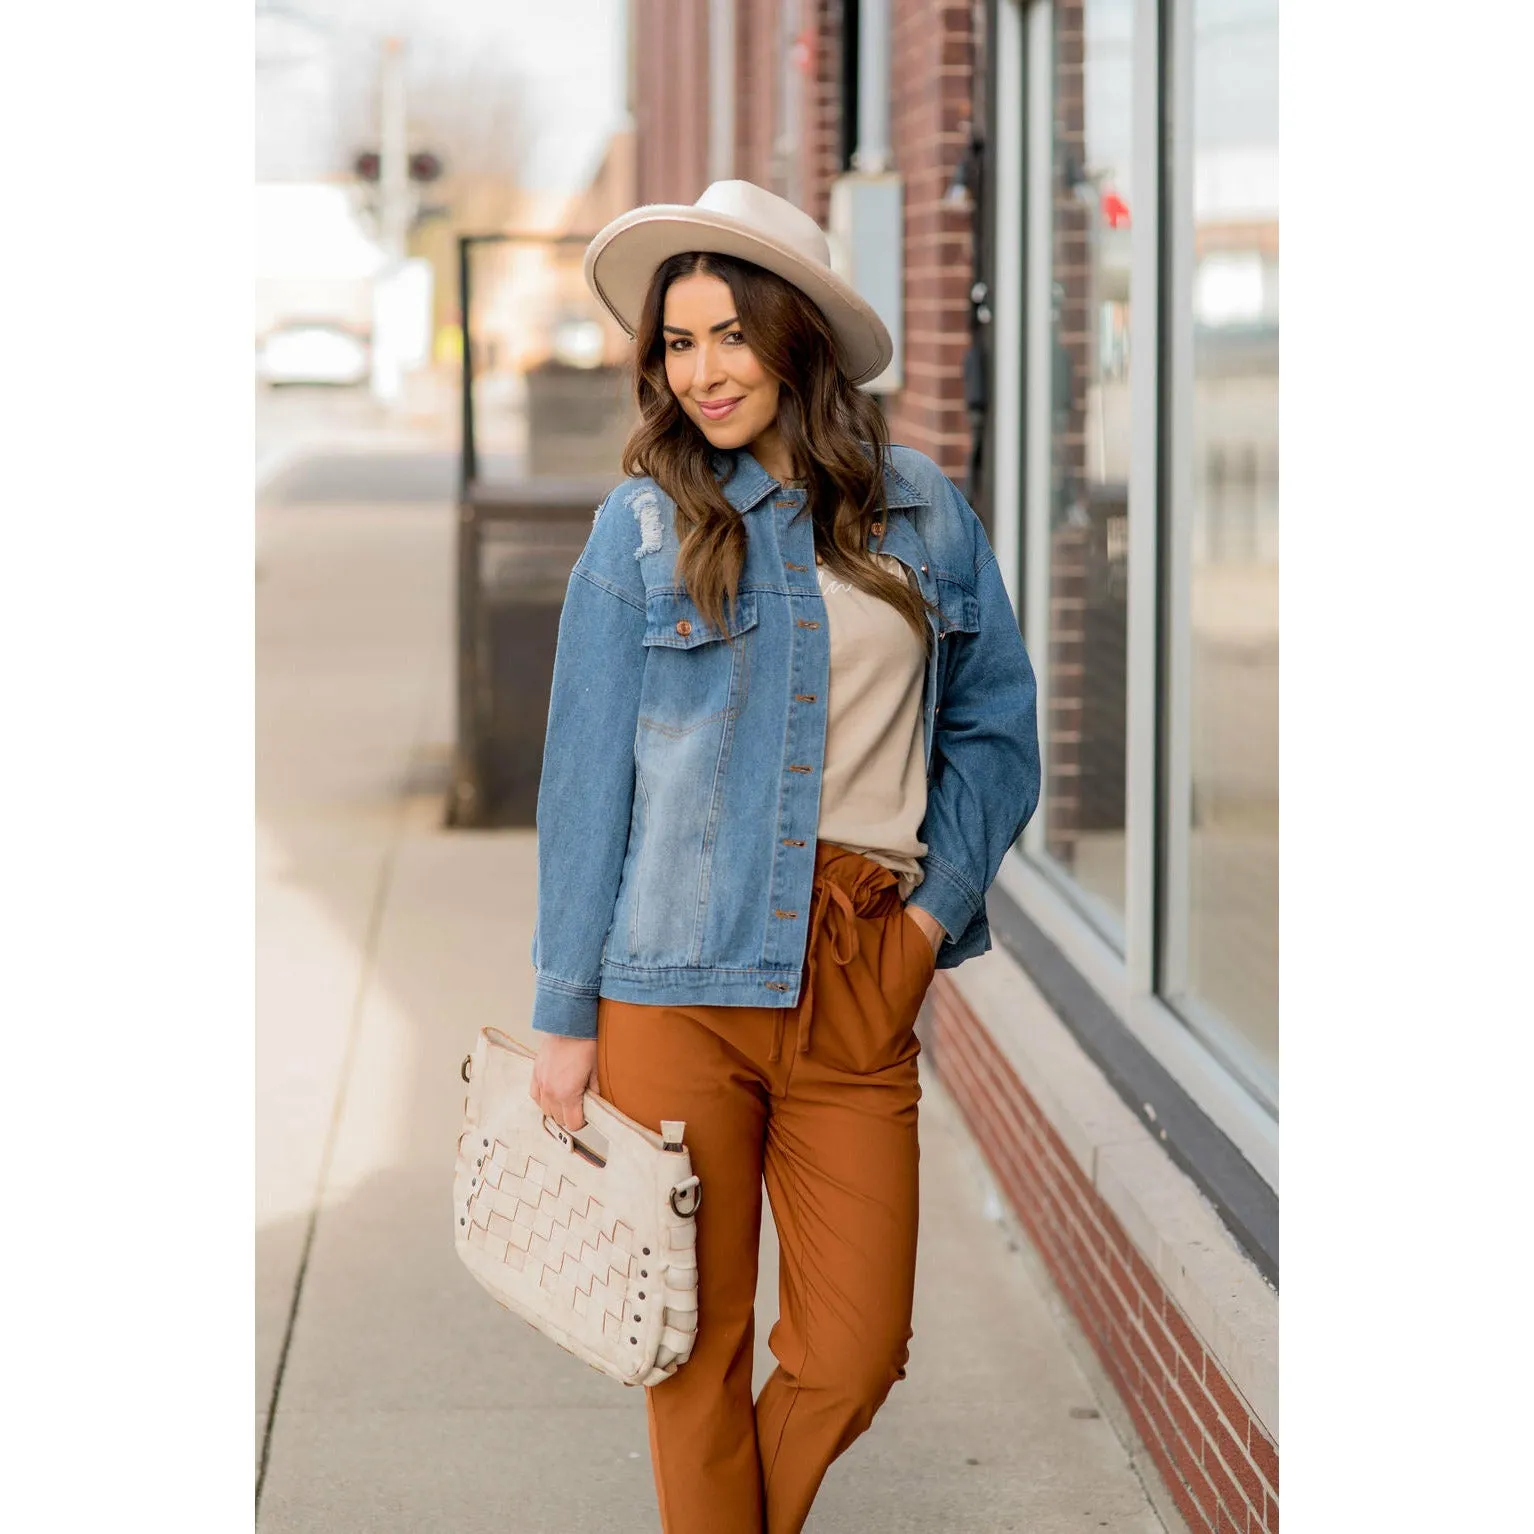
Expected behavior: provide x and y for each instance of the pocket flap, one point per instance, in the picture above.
(960, 609)
(672, 619)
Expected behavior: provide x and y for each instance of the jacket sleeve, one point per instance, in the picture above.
(586, 791)
(984, 783)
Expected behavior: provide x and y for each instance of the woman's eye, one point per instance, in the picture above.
(677, 345)
(736, 337)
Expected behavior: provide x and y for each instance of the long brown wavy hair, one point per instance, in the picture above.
(834, 433)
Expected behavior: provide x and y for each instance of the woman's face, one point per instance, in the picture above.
(722, 388)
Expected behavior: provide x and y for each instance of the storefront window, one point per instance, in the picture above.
(1222, 968)
(1089, 435)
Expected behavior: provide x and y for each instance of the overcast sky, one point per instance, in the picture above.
(511, 85)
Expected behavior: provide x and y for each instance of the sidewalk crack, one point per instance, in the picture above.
(354, 1032)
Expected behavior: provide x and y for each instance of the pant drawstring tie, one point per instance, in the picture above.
(828, 899)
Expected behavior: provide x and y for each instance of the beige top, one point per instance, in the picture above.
(873, 795)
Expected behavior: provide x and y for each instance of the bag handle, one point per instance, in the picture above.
(588, 1142)
(671, 1130)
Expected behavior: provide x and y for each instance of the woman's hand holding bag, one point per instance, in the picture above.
(565, 1070)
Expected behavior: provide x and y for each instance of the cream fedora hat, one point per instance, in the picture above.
(735, 218)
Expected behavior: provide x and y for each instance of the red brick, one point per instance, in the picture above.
(1186, 1339)
(1122, 1372)
(1026, 1157)
(1152, 1293)
(1035, 1213)
(1264, 1455)
(1235, 1457)
(1188, 1426)
(1225, 1524)
(1089, 1242)
(1270, 1521)
(1228, 1402)
(1186, 1497)
(1146, 1427)
(1012, 1090)
(1161, 1340)
(1192, 1388)
(1054, 1224)
(1187, 1505)
(1002, 1119)
(1124, 1285)
(1118, 1237)
(967, 1088)
(1117, 1306)
(1094, 1319)
(1072, 1169)
(1089, 1276)
(1120, 1361)
(1028, 1147)
(1193, 1475)
(1225, 1484)
(1155, 1406)
(1203, 1403)
(983, 1094)
(956, 1075)
(1145, 1355)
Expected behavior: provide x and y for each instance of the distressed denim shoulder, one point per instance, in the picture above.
(680, 795)
(625, 527)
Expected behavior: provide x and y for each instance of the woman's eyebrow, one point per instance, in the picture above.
(713, 330)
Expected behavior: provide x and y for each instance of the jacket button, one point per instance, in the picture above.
(683, 627)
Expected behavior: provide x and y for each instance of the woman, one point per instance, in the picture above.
(791, 738)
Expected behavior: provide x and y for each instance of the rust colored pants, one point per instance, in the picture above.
(820, 1103)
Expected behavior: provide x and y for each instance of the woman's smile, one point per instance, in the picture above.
(714, 374)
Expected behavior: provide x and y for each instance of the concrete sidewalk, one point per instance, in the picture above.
(391, 1393)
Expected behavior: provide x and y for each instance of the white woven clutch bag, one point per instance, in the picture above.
(588, 1237)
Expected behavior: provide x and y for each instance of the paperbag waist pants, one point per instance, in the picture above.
(819, 1102)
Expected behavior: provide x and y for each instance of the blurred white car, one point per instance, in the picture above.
(313, 352)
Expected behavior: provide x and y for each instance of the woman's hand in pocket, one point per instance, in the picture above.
(932, 928)
(565, 1070)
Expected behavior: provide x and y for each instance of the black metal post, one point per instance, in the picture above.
(468, 460)
(976, 368)
(467, 804)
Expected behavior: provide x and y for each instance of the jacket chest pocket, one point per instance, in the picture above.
(695, 673)
(959, 620)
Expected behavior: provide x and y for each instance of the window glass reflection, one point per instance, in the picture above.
(1231, 981)
(1093, 205)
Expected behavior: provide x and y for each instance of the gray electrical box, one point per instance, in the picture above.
(867, 240)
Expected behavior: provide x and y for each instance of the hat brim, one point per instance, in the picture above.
(623, 258)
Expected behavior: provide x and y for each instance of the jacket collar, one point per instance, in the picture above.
(746, 484)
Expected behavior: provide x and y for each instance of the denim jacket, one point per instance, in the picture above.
(680, 795)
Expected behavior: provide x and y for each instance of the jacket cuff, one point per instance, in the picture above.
(570, 1014)
(946, 896)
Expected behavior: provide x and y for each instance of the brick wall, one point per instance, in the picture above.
(930, 70)
(1219, 1465)
(670, 98)
(821, 128)
(757, 91)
